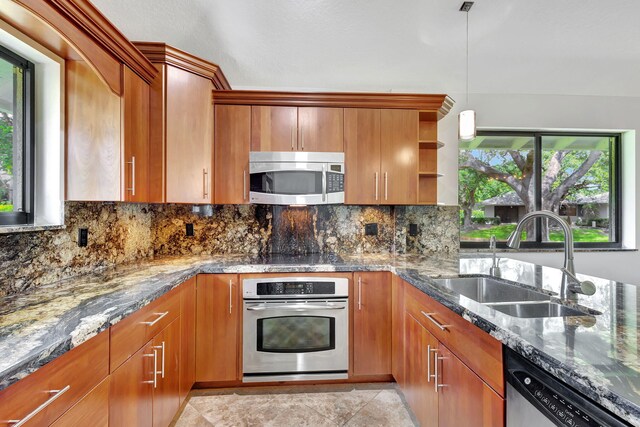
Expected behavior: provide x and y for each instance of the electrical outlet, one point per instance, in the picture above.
(413, 230)
(371, 229)
(83, 237)
(189, 230)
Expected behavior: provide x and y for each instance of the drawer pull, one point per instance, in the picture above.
(434, 321)
(57, 394)
(160, 316)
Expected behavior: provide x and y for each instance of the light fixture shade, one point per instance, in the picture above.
(466, 125)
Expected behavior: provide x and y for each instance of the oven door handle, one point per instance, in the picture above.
(295, 307)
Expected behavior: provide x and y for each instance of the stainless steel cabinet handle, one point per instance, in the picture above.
(294, 307)
(429, 363)
(161, 348)
(133, 175)
(302, 137)
(49, 401)
(386, 186)
(324, 182)
(375, 179)
(434, 321)
(230, 295)
(293, 132)
(435, 360)
(154, 381)
(160, 316)
(244, 185)
(359, 293)
(205, 184)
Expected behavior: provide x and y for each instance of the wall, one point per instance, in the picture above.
(560, 112)
(121, 233)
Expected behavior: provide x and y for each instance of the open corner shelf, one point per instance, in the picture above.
(431, 144)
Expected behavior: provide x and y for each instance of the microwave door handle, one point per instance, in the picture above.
(324, 183)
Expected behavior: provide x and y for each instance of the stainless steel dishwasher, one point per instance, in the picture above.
(537, 399)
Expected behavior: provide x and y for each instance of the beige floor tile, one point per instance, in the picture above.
(341, 406)
(386, 409)
(190, 417)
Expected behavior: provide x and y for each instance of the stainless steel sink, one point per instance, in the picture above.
(537, 309)
(488, 290)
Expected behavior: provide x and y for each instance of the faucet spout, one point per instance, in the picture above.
(571, 285)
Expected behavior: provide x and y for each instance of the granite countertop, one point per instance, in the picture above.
(598, 355)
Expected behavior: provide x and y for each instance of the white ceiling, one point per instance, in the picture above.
(577, 47)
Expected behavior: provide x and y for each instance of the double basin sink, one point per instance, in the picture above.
(509, 299)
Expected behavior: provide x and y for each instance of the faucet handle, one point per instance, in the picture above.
(586, 287)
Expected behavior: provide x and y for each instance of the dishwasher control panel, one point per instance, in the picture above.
(563, 411)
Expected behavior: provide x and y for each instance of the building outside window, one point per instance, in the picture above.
(504, 175)
(16, 139)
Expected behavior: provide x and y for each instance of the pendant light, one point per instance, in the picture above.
(467, 118)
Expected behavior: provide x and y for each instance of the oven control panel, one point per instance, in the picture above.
(294, 286)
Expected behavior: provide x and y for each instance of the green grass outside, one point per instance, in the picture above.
(6, 208)
(503, 231)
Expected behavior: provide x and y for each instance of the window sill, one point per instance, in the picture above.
(532, 250)
(14, 229)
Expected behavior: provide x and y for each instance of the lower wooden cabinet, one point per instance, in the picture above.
(372, 324)
(217, 327)
(187, 337)
(166, 390)
(92, 410)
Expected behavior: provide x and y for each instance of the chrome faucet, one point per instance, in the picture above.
(495, 267)
(571, 285)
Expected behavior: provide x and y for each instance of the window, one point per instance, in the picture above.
(504, 175)
(16, 139)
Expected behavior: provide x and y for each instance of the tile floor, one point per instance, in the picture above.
(367, 405)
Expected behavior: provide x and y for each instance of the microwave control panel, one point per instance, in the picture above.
(335, 182)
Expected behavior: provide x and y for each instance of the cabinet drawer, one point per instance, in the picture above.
(476, 348)
(92, 410)
(130, 334)
(57, 386)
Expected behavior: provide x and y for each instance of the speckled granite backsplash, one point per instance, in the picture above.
(122, 232)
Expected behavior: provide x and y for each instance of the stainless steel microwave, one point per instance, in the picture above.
(296, 178)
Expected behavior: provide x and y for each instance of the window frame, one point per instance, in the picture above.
(615, 186)
(26, 214)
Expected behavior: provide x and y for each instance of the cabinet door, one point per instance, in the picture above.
(189, 121)
(166, 396)
(419, 386)
(93, 136)
(135, 131)
(232, 141)
(362, 156)
(372, 324)
(463, 398)
(92, 410)
(321, 129)
(187, 337)
(131, 390)
(217, 327)
(397, 330)
(399, 157)
(274, 128)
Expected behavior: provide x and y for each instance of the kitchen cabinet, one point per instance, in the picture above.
(92, 410)
(397, 329)
(135, 131)
(107, 137)
(362, 156)
(232, 144)
(381, 152)
(274, 128)
(419, 385)
(283, 128)
(399, 157)
(166, 391)
(131, 390)
(217, 327)
(372, 324)
(181, 117)
(187, 337)
(463, 398)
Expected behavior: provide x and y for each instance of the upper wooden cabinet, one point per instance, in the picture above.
(274, 128)
(381, 156)
(296, 129)
(232, 141)
(181, 117)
